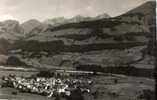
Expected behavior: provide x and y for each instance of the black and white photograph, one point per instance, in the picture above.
(78, 50)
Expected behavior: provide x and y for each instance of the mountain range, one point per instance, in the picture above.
(101, 40)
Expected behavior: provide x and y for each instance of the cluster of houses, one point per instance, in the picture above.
(47, 86)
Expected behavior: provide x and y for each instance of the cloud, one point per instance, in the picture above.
(6, 17)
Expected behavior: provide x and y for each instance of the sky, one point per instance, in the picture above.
(23, 10)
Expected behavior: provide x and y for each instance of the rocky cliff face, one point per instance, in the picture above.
(121, 40)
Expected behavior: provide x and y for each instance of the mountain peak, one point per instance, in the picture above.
(146, 8)
(79, 18)
(30, 24)
(55, 21)
(31, 21)
(11, 26)
(104, 15)
(75, 19)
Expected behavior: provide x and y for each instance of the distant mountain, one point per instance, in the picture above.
(10, 30)
(101, 16)
(29, 25)
(11, 26)
(56, 21)
(35, 27)
(76, 19)
(101, 41)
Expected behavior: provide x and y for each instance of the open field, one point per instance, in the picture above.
(104, 88)
(5, 93)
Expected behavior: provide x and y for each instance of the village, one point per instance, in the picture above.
(50, 86)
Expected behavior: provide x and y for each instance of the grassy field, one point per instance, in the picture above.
(104, 88)
(6, 93)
